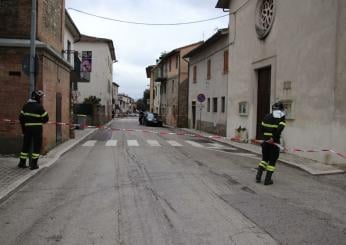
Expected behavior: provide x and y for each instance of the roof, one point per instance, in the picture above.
(148, 70)
(177, 50)
(72, 27)
(221, 33)
(91, 39)
(223, 4)
(115, 84)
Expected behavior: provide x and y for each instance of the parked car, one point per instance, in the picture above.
(151, 119)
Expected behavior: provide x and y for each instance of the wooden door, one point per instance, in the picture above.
(263, 97)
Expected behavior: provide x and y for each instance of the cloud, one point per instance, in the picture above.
(138, 46)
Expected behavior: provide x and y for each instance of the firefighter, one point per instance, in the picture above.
(272, 126)
(31, 118)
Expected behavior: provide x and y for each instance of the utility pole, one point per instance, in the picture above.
(32, 48)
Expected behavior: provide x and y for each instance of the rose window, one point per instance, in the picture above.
(265, 13)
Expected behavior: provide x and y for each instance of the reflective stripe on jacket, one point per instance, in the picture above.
(33, 114)
(272, 127)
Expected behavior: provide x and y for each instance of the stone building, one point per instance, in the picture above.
(294, 51)
(52, 74)
(172, 72)
(208, 69)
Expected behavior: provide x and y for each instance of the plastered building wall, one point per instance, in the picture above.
(304, 48)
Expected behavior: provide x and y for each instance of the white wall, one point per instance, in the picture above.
(100, 84)
(215, 87)
(68, 36)
(301, 48)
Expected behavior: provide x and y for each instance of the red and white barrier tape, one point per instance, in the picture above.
(188, 134)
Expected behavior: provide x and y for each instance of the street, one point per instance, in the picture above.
(147, 188)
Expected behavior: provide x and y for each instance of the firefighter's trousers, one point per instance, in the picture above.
(270, 154)
(32, 137)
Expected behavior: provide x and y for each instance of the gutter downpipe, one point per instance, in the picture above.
(32, 48)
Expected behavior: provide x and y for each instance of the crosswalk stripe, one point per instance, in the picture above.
(90, 143)
(244, 154)
(217, 145)
(132, 143)
(111, 143)
(153, 143)
(173, 143)
(195, 144)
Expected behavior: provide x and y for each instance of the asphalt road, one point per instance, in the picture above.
(147, 188)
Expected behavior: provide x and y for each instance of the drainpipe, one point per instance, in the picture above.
(32, 48)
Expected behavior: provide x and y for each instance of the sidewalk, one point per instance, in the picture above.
(11, 177)
(310, 166)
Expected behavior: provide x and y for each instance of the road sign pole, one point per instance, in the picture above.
(200, 117)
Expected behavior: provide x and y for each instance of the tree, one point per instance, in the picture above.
(143, 104)
(92, 100)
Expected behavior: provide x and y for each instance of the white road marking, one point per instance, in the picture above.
(218, 146)
(173, 143)
(153, 143)
(244, 154)
(132, 143)
(195, 144)
(90, 143)
(111, 143)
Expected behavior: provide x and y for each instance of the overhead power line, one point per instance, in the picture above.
(146, 23)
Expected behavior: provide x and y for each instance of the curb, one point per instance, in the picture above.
(289, 163)
(5, 194)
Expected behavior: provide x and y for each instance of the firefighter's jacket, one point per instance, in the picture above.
(272, 126)
(33, 115)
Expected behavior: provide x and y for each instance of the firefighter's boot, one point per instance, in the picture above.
(268, 179)
(22, 163)
(33, 164)
(260, 170)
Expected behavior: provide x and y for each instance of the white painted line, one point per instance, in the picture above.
(153, 143)
(217, 145)
(132, 143)
(111, 143)
(244, 154)
(193, 143)
(90, 143)
(173, 143)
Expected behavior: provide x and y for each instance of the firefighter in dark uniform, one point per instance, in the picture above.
(272, 126)
(31, 118)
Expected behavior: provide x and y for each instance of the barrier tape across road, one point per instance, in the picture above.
(285, 149)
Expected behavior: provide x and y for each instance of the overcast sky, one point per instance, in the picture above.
(137, 46)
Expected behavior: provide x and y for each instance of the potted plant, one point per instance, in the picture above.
(241, 134)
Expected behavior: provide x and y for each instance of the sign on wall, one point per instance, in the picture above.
(86, 65)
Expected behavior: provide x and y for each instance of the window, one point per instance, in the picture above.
(243, 108)
(194, 75)
(170, 64)
(208, 69)
(69, 51)
(225, 62)
(208, 105)
(223, 104)
(172, 86)
(289, 107)
(177, 61)
(214, 104)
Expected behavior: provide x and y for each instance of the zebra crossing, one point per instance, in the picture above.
(173, 143)
(135, 143)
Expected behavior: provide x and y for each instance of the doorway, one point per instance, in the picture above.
(263, 97)
(193, 114)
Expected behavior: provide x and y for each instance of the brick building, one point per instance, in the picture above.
(53, 73)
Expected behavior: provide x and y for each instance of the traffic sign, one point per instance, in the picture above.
(201, 98)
